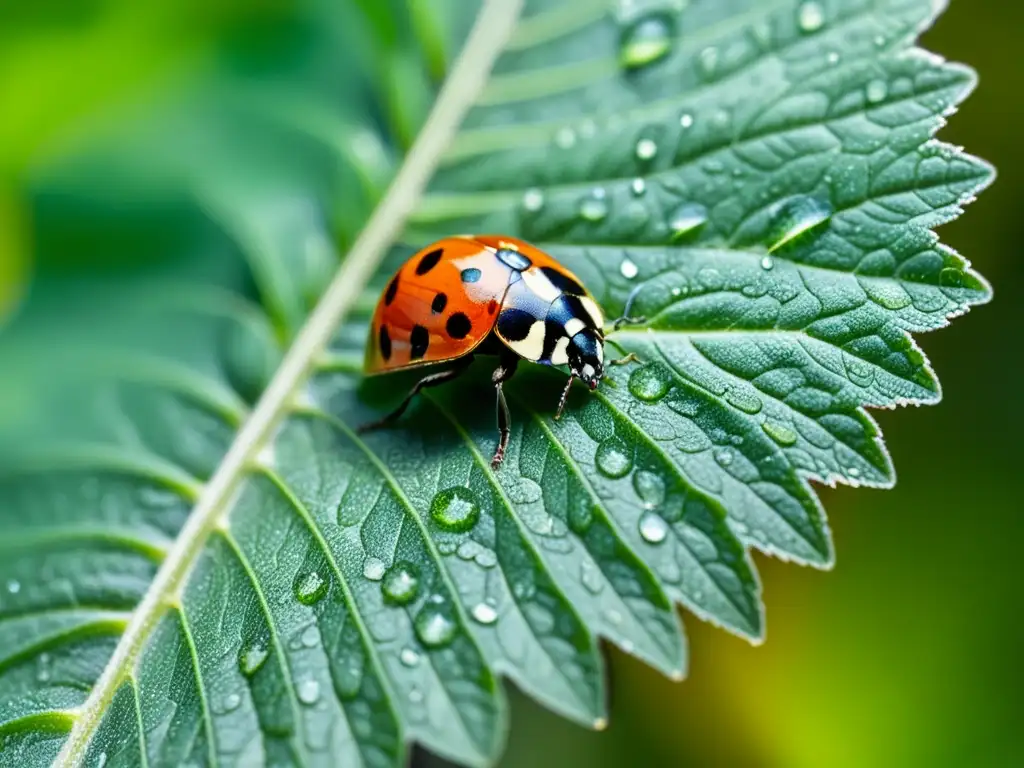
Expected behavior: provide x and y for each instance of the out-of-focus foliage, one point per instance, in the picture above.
(250, 185)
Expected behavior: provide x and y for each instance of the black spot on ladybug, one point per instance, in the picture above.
(419, 340)
(458, 326)
(514, 259)
(391, 292)
(562, 282)
(439, 303)
(470, 275)
(429, 261)
(385, 343)
(515, 324)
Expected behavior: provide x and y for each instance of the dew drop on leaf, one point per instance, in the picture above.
(565, 138)
(593, 208)
(707, 60)
(686, 219)
(309, 692)
(810, 16)
(401, 583)
(14, 586)
(484, 613)
(628, 268)
(724, 456)
(251, 658)
(614, 459)
(409, 657)
(638, 186)
(309, 587)
(653, 528)
(797, 216)
(310, 637)
(747, 402)
(833, 57)
(533, 200)
(853, 472)
(455, 509)
(231, 702)
(650, 382)
(650, 488)
(767, 263)
(780, 433)
(686, 120)
(645, 41)
(373, 568)
(876, 91)
(434, 624)
(646, 149)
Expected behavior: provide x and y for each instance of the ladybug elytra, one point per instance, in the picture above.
(486, 294)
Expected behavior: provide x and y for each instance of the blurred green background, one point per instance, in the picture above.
(909, 652)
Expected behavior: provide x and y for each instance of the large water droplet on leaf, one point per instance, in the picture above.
(614, 458)
(645, 41)
(653, 528)
(650, 382)
(484, 613)
(251, 658)
(780, 433)
(434, 624)
(687, 219)
(810, 16)
(309, 587)
(455, 509)
(309, 692)
(797, 217)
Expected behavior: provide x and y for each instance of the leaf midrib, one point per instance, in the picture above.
(468, 77)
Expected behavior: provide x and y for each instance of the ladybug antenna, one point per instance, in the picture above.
(626, 318)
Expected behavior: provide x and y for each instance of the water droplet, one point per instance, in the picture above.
(876, 91)
(533, 200)
(653, 528)
(853, 472)
(251, 658)
(780, 433)
(796, 217)
(810, 17)
(415, 695)
(401, 583)
(650, 488)
(767, 263)
(686, 120)
(880, 41)
(373, 568)
(310, 587)
(638, 186)
(593, 208)
(409, 657)
(833, 57)
(650, 382)
(724, 456)
(613, 616)
(687, 218)
(707, 60)
(231, 702)
(484, 613)
(628, 269)
(14, 586)
(614, 458)
(565, 138)
(646, 149)
(101, 761)
(309, 691)
(746, 401)
(645, 41)
(455, 509)
(434, 624)
(310, 636)
(43, 673)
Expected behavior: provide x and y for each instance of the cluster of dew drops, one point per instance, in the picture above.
(647, 38)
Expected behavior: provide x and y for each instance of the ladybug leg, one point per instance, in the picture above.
(565, 396)
(427, 381)
(502, 374)
(626, 318)
(630, 358)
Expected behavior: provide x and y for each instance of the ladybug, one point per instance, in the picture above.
(488, 295)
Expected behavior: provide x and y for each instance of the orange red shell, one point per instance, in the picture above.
(447, 298)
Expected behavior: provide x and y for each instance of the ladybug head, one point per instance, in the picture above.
(586, 357)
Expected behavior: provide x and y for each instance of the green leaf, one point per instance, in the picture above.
(214, 566)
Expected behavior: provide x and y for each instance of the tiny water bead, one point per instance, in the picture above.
(687, 219)
(810, 17)
(724, 456)
(565, 137)
(628, 269)
(401, 583)
(646, 149)
(309, 587)
(650, 488)
(650, 382)
(593, 208)
(251, 658)
(409, 657)
(796, 217)
(533, 199)
(455, 509)
(484, 613)
(780, 433)
(767, 263)
(373, 568)
(309, 692)
(645, 41)
(707, 61)
(232, 702)
(614, 458)
(653, 528)
(14, 586)
(876, 91)
(434, 624)
(639, 186)
(686, 120)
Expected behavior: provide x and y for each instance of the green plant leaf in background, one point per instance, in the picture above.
(213, 567)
